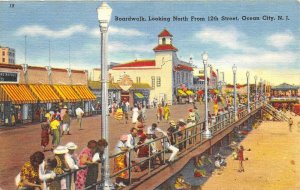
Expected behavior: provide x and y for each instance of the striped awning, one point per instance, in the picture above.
(189, 92)
(181, 93)
(139, 95)
(67, 93)
(84, 92)
(16, 93)
(44, 93)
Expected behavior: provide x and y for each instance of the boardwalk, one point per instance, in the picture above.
(18, 144)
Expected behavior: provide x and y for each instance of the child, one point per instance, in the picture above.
(45, 135)
(241, 158)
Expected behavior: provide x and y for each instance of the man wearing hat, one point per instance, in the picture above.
(181, 127)
(153, 128)
(79, 113)
(172, 129)
(66, 122)
(153, 149)
(70, 157)
(166, 144)
(63, 111)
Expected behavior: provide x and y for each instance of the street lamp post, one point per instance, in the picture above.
(248, 91)
(104, 13)
(255, 97)
(234, 68)
(217, 84)
(207, 133)
(265, 89)
(261, 88)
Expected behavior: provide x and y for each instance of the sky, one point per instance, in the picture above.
(268, 49)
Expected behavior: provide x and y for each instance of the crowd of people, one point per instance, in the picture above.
(140, 142)
(57, 124)
(42, 173)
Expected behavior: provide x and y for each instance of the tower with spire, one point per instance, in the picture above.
(164, 51)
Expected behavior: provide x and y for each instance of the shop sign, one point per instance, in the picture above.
(9, 77)
(125, 83)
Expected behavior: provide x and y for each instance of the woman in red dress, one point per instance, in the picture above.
(241, 158)
(45, 135)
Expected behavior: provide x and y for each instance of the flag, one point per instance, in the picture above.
(213, 79)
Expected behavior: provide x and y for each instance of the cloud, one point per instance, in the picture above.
(38, 30)
(280, 40)
(228, 37)
(127, 32)
(258, 60)
(116, 46)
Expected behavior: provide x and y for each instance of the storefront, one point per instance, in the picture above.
(182, 97)
(125, 96)
(140, 93)
(47, 100)
(17, 103)
(191, 95)
(284, 96)
(69, 97)
(86, 96)
(114, 94)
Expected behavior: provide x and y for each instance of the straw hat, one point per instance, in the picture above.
(124, 138)
(181, 120)
(60, 150)
(71, 146)
(172, 122)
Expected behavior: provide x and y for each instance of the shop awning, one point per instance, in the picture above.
(139, 95)
(84, 92)
(214, 91)
(200, 92)
(44, 93)
(17, 94)
(189, 92)
(181, 93)
(67, 93)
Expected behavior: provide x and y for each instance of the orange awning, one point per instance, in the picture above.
(67, 93)
(84, 92)
(44, 93)
(17, 94)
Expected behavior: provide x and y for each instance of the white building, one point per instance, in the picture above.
(166, 74)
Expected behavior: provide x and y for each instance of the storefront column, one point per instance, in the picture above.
(7, 113)
(87, 107)
(24, 112)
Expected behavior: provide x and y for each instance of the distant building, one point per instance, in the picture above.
(7, 55)
(168, 76)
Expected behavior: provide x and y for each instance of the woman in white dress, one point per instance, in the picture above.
(135, 114)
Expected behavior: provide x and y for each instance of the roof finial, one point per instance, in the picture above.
(191, 60)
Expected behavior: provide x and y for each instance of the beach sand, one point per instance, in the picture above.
(273, 162)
